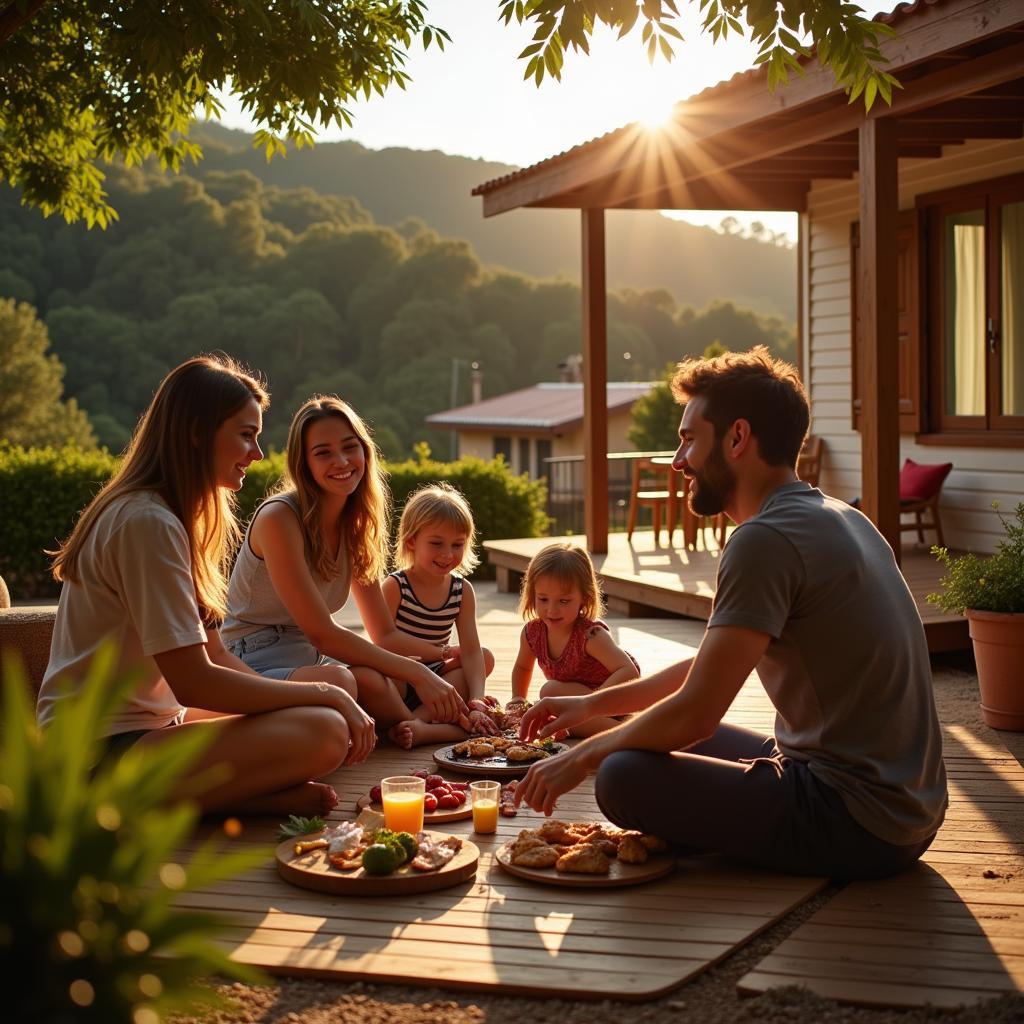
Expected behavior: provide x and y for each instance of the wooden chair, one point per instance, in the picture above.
(920, 490)
(654, 484)
(919, 509)
(808, 465)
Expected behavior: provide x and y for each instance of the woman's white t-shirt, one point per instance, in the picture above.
(135, 585)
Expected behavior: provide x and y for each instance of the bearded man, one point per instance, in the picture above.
(852, 783)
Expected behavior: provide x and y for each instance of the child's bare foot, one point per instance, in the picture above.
(306, 799)
(407, 734)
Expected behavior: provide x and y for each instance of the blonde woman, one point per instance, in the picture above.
(324, 533)
(145, 564)
(427, 596)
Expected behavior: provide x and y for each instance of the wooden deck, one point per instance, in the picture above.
(502, 933)
(641, 577)
(947, 933)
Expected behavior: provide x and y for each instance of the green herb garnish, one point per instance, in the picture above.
(296, 825)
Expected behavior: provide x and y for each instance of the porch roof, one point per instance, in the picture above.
(739, 146)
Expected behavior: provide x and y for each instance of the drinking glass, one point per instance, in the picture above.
(403, 803)
(485, 806)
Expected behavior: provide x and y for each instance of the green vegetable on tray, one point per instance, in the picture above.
(296, 825)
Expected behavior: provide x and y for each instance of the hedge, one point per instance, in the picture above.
(42, 490)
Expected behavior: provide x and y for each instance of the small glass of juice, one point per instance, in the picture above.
(403, 803)
(485, 806)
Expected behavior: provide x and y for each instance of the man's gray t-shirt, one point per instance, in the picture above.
(847, 667)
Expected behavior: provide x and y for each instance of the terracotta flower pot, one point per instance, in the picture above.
(999, 654)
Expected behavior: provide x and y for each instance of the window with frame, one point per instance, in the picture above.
(976, 307)
(503, 446)
(960, 273)
(524, 456)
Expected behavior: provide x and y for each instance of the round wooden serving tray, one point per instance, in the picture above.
(657, 866)
(313, 871)
(437, 817)
(496, 766)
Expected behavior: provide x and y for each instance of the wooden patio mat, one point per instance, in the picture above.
(949, 932)
(500, 932)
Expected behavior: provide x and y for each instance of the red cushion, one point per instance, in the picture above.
(919, 482)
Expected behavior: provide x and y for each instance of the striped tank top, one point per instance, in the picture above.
(423, 622)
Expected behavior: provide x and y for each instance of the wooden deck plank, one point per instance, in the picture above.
(499, 932)
(948, 932)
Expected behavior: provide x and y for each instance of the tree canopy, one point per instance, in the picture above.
(31, 410)
(84, 83)
(316, 295)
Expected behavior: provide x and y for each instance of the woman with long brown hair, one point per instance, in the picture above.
(146, 565)
(324, 532)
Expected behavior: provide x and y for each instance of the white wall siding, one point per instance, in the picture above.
(980, 475)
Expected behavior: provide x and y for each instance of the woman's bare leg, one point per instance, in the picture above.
(336, 675)
(379, 696)
(554, 688)
(269, 760)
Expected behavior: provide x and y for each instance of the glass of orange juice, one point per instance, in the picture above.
(403, 803)
(485, 806)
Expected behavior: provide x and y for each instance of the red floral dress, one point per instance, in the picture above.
(574, 665)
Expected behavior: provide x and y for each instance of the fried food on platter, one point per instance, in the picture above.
(555, 831)
(521, 753)
(526, 840)
(632, 851)
(540, 856)
(583, 859)
(476, 747)
(351, 860)
(434, 854)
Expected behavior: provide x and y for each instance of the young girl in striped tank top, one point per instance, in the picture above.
(427, 596)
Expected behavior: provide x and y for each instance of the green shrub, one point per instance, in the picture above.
(503, 504)
(988, 584)
(42, 490)
(260, 477)
(89, 866)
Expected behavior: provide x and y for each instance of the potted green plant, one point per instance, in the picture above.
(990, 592)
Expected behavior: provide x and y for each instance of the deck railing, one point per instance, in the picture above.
(565, 491)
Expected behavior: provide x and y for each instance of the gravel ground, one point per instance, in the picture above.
(710, 999)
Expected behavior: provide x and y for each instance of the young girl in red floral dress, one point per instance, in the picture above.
(564, 633)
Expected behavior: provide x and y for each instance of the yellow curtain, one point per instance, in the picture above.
(1012, 274)
(968, 320)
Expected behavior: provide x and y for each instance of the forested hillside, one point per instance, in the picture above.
(645, 250)
(309, 289)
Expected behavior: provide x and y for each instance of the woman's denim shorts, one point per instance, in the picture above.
(277, 651)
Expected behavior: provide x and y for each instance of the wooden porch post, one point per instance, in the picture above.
(877, 304)
(595, 380)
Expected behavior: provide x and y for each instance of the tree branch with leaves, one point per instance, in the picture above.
(85, 83)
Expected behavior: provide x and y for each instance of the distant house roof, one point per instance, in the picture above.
(551, 407)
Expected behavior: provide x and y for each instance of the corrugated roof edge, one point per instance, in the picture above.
(898, 14)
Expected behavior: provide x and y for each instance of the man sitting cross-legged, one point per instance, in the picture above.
(852, 784)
